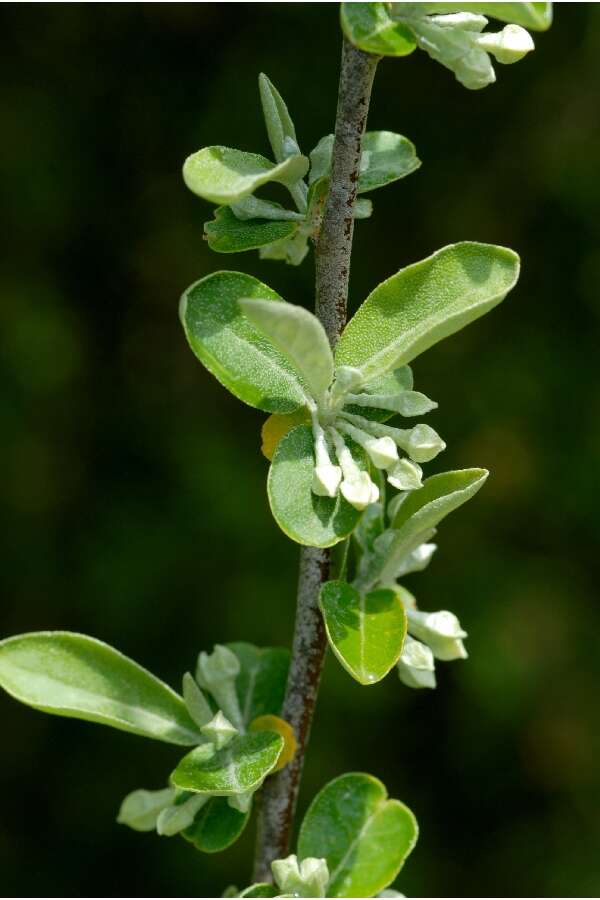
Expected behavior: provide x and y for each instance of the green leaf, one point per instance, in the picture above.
(261, 683)
(223, 175)
(228, 234)
(140, 809)
(280, 128)
(370, 27)
(439, 495)
(366, 631)
(537, 16)
(425, 303)
(386, 157)
(282, 134)
(299, 335)
(196, 703)
(176, 818)
(394, 382)
(261, 889)
(232, 348)
(423, 509)
(237, 768)
(364, 837)
(304, 517)
(292, 250)
(216, 827)
(79, 677)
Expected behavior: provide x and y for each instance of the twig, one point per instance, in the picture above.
(332, 256)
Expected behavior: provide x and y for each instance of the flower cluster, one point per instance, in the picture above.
(436, 635)
(349, 410)
(308, 878)
(459, 42)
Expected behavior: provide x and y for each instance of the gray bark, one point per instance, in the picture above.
(332, 257)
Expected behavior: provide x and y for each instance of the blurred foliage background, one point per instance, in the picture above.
(134, 490)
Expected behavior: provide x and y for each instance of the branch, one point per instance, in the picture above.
(332, 258)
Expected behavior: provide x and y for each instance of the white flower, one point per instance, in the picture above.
(440, 630)
(326, 480)
(421, 443)
(360, 491)
(424, 443)
(416, 666)
(356, 487)
(406, 475)
(458, 42)
(382, 452)
(308, 879)
(336, 470)
(509, 45)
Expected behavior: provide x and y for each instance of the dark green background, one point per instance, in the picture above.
(134, 491)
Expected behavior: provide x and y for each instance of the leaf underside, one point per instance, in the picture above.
(370, 27)
(423, 509)
(228, 234)
(77, 676)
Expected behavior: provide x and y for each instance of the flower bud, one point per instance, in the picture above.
(326, 476)
(416, 666)
(178, 817)
(346, 378)
(309, 879)
(380, 448)
(424, 443)
(382, 452)
(290, 147)
(360, 491)
(406, 475)
(357, 487)
(326, 480)
(407, 403)
(509, 45)
(219, 730)
(220, 665)
(440, 630)
(216, 673)
(140, 809)
(417, 560)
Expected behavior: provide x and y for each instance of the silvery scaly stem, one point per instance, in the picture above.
(332, 259)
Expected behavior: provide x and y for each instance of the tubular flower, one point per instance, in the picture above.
(431, 636)
(459, 42)
(338, 429)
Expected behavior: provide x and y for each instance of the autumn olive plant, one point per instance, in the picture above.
(346, 445)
